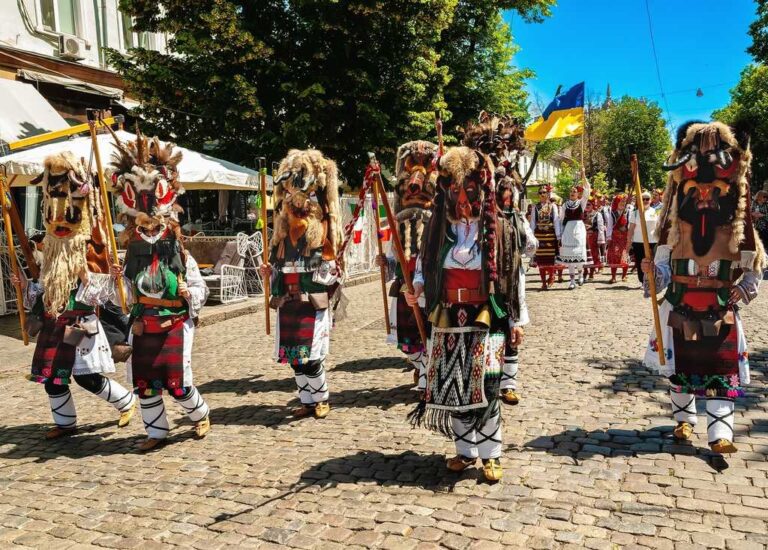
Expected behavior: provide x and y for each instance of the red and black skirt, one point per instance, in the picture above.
(157, 362)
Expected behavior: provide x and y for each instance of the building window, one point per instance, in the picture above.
(59, 15)
(133, 39)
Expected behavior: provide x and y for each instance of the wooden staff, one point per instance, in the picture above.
(647, 246)
(400, 254)
(5, 204)
(264, 237)
(93, 115)
(382, 267)
(21, 236)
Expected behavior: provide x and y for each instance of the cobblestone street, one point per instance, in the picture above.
(589, 459)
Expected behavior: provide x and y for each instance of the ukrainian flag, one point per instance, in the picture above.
(563, 117)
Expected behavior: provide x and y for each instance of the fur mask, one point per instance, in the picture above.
(70, 213)
(145, 174)
(416, 177)
(307, 201)
(464, 174)
(708, 185)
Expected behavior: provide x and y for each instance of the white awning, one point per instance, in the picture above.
(196, 170)
(25, 113)
(71, 83)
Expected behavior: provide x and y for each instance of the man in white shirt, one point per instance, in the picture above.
(636, 232)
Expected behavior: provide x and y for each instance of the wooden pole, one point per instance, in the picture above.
(400, 254)
(93, 115)
(382, 268)
(439, 129)
(5, 204)
(264, 238)
(648, 254)
(18, 228)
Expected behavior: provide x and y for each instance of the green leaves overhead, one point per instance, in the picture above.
(247, 77)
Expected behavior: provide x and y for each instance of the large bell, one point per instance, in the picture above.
(483, 318)
(440, 318)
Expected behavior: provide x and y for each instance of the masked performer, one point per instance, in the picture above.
(573, 240)
(545, 223)
(75, 281)
(708, 259)
(502, 139)
(470, 271)
(414, 193)
(303, 271)
(165, 284)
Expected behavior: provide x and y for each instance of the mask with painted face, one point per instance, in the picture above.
(416, 177)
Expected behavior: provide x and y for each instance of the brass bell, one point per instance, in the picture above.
(435, 314)
(483, 318)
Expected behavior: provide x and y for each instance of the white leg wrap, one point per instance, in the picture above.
(317, 386)
(572, 271)
(464, 438)
(489, 438)
(305, 396)
(154, 417)
(116, 395)
(419, 362)
(194, 405)
(684, 407)
(720, 419)
(509, 371)
(63, 409)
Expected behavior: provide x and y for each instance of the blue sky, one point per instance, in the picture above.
(699, 43)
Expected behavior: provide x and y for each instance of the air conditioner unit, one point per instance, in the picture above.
(71, 47)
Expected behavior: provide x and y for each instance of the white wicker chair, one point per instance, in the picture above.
(229, 286)
(254, 285)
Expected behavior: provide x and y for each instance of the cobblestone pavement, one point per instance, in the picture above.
(588, 460)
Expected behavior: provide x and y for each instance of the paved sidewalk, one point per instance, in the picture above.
(588, 459)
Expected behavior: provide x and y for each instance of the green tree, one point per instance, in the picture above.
(748, 110)
(634, 125)
(758, 30)
(245, 77)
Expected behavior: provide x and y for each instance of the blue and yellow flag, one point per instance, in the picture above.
(563, 117)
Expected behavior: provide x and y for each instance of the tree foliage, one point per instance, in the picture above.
(246, 78)
(634, 125)
(758, 30)
(749, 110)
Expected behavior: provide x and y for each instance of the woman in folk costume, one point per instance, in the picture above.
(414, 193)
(502, 139)
(469, 270)
(708, 258)
(545, 223)
(618, 237)
(593, 220)
(573, 238)
(75, 281)
(165, 285)
(303, 271)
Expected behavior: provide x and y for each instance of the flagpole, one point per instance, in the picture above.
(647, 246)
(382, 267)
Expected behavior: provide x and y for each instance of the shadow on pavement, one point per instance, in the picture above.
(276, 415)
(404, 469)
(629, 376)
(580, 444)
(29, 442)
(248, 384)
(363, 365)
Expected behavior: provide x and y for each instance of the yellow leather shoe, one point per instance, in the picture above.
(322, 409)
(57, 432)
(125, 417)
(203, 427)
(492, 470)
(683, 431)
(510, 397)
(459, 463)
(723, 446)
(150, 443)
